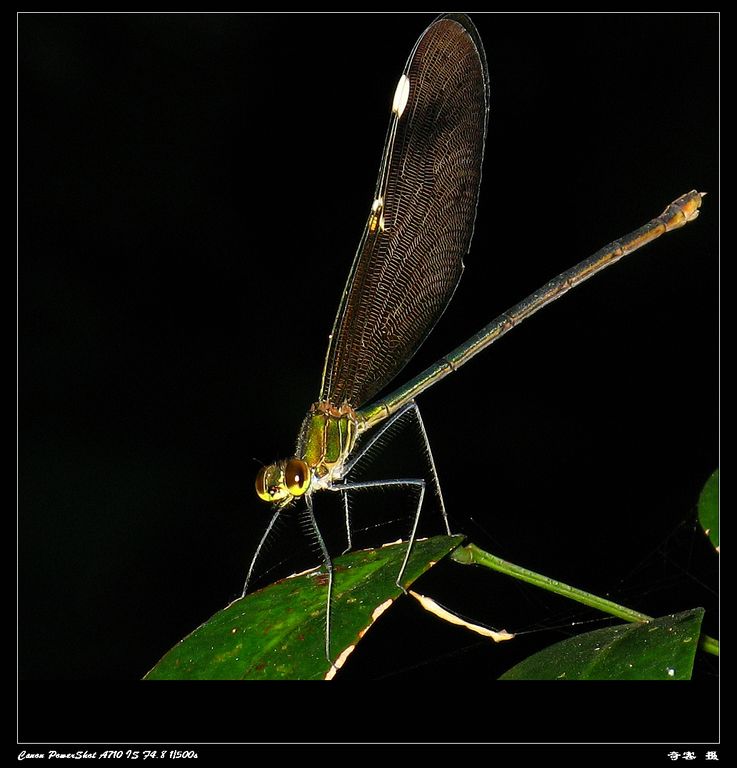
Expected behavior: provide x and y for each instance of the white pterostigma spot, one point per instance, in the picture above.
(401, 96)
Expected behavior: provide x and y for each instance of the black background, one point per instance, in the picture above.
(192, 189)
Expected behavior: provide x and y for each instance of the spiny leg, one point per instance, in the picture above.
(365, 448)
(412, 482)
(346, 506)
(410, 409)
(329, 565)
(258, 548)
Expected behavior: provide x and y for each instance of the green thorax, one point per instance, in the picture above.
(328, 436)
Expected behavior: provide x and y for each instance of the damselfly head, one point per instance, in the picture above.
(283, 481)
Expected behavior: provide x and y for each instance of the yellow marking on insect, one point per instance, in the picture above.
(376, 219)
(442, 613)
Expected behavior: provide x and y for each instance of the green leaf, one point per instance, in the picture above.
(709, 508)
(279, 631)
(661, 649)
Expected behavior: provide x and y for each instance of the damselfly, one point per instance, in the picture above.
(406, 269)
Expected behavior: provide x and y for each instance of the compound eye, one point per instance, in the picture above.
(297, 476)
(261, 488)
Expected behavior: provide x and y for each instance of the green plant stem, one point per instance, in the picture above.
(473, 555)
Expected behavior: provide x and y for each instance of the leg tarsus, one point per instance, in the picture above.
(412, 535)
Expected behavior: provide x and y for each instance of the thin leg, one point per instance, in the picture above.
(364, 448)
(329, 566)
(409, 409)
(416, 483)
(431, 462)
(258, 548)
(411, 542)
(347, 507)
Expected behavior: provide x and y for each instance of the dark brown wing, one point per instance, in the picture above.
(410, 258)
